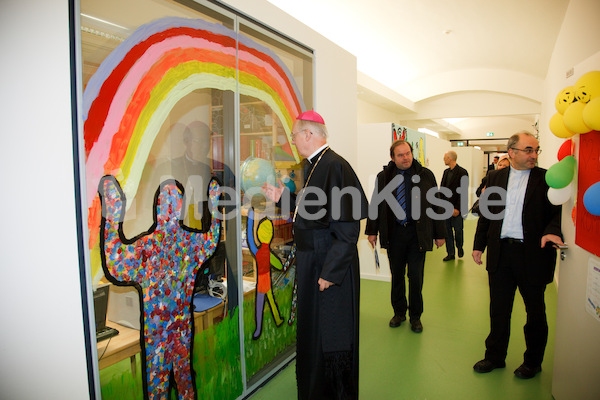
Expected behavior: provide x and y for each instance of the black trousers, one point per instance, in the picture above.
(503, 284)
(403, 251)
(455, 234)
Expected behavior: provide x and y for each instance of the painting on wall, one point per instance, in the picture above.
(162, 263)
(588, 224)
(415, 138)
(128, 105)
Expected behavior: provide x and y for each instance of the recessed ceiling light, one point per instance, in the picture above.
(103, 21)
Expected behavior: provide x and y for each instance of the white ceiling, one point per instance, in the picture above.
(484, 61)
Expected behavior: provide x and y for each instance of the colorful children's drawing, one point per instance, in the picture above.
(162, 264)
(129, 97)
(265, 259)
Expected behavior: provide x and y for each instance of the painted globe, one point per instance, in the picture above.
(289, 183)
(255, 172)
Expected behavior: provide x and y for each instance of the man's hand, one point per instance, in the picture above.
(273, 193)
(440, 242)
(552, 238)
(373, 240)
(323, 284)
(455, 213)
(477, 257)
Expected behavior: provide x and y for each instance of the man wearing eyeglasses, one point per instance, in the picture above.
(521, 231)
(326, 229)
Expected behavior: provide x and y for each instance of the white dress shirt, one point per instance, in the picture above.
(512, 226)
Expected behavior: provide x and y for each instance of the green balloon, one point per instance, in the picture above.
(561, 174)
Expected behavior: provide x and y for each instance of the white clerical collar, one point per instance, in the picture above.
(316, 152)
(519, 172)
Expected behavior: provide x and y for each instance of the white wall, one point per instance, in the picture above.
(470, 159)
(368, 113)
(335, 74)
(434, 159)
(38, 244)
(577, 340)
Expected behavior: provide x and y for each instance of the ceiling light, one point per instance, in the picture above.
(429, 131)
(103, 21)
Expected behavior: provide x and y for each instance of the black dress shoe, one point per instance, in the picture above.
(527, 372)
(486, 365)
(397, 320)
(448, 258)
(416, 326)
(461, 252)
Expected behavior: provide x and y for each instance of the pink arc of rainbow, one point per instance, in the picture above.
(130, 95)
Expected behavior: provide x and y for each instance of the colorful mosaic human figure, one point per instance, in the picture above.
(162, 263)
(265, 258)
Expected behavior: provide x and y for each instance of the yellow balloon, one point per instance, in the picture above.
(588, 86)
(573, 118)
(564, 99)
(557, 126)
(591, 114)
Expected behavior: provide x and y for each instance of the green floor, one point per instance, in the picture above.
(396, 363)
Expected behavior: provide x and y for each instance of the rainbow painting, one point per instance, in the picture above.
(131, 94)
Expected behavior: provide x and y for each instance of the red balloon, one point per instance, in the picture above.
(565, 149)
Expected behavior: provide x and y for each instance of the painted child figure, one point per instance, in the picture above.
(265, 258)
(162, 263)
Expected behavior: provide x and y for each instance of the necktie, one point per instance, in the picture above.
(401, 196)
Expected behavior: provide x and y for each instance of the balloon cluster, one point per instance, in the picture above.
(578, 109)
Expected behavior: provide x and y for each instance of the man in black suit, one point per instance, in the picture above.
(409, 236)
(494, 164)
(456, 179)
(520, 232)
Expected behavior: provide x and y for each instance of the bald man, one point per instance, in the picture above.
(453, 179)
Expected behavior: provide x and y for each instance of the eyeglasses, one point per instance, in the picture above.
(529, 150)
(294, 134)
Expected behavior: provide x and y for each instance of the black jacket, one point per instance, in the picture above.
(540, 217)
(453, 183)
(427, 228)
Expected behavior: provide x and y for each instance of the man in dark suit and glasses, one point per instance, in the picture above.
(520, 234)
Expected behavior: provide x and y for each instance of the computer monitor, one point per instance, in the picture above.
(101, 305)
(213, 268)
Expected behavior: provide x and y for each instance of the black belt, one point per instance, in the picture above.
(512, 241)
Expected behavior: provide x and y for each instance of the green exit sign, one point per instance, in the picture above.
(489, 134)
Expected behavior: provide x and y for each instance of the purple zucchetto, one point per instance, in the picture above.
(311, 116)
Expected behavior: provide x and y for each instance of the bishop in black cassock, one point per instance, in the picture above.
(325, 234)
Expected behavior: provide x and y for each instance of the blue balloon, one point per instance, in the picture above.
(591, 199)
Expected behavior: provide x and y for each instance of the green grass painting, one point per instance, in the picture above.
(273, 339)
(216, 361)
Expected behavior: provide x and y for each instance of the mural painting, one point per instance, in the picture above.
(126, 106)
